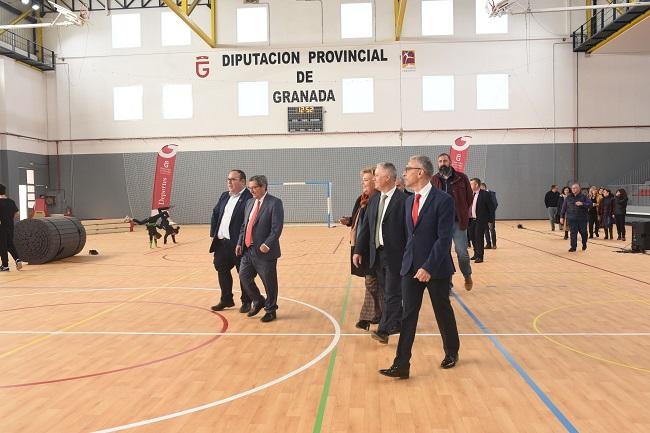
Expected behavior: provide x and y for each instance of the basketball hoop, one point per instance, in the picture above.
(498, 8)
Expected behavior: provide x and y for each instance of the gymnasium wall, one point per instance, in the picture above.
(105, 166)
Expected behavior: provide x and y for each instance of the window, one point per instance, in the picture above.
(358, 95)
(254, 98)
(252, 24)
(173, 31)
(485, 24)
(437, 17)
(356, 20)
(492, 92)
(438, 93)
(177, 101)
(127, 103)
(125, 30)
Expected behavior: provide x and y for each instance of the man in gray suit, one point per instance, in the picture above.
(259, 246)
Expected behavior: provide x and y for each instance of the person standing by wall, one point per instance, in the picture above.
(8, 213)
(551, 202)
(606, 211)
(620, 209)
(566, 191)
(491, 231)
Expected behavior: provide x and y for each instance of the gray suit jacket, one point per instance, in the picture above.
(267, 227)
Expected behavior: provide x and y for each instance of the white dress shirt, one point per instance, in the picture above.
(255, 204)
(424, 193)
(472, 210)
(224, 227)
(389, 194)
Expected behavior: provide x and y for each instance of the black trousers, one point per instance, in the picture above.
(476, 231)
(224, 260)
(254, 263)
(390, 282)
(593, 225)
(491, 234)
(620, 225)
(412, 293)
(7, 245)
(578, 226)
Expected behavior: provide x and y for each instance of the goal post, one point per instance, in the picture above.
(305, 202)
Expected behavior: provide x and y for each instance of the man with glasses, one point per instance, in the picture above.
(427, 264)
(227, 219)
(456, 184)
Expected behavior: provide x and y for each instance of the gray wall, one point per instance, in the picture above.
(12, 171)
(115, 185)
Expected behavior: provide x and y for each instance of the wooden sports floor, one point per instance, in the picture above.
(551, 341)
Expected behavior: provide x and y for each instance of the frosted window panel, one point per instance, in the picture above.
(252, 24)
(29, 174)
(127, 103)
(125, 30)
(30, 204)
(438, 93)
(31, 188)
(492, 92)
(177, 101)
(173, 31)
(358, 95)
(31, 196)
(356, 20)
(437, 17)
(487, 25)
(22, 201)
(253, 98)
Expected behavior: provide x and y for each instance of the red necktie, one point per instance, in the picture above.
(248, 240)
(416, 208)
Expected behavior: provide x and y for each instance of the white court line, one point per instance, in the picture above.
(307, 334)
(323, 354)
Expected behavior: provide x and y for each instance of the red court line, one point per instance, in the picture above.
(576, 261)
(131, 367)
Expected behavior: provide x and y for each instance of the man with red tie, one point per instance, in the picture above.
(259, 246)
(426, 265)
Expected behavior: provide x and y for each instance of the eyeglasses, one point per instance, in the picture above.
(230, 179)
(407, 168)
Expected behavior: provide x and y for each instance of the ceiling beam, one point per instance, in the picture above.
(15, 11)
(399, 19)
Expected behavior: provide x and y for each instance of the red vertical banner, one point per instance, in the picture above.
(162, 184)
(459, 153)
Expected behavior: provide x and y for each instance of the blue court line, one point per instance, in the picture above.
(547, 401)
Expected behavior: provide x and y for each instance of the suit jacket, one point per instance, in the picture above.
(393, 231)
(235, 222)
(428, 244)
(495, 205)
(484, 206)
(267, 227)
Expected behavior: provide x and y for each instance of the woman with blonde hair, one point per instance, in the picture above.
(374, 298)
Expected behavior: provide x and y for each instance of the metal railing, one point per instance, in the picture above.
(600, 19)
(26, 48)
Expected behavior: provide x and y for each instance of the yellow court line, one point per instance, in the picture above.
(579, 352)
(88, 319)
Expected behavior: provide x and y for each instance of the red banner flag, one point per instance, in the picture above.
(459, 152)
(162, 184)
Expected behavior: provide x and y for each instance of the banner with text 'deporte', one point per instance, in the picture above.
(162, 184)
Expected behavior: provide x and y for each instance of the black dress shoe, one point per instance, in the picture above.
(449, 361)
(268, 317)
(473, 258)
(487, 247)
(394, 371)
(584, 247)
(572, 250)
(255, 308)
(363, 324)
(245, 308)
(382, 337)
(222, 305)
(478, 260)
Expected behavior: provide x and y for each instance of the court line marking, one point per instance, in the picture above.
(531, 383)
(87, 319)
(323, 354)
(324, 334)
(580, 352)
(322, 405)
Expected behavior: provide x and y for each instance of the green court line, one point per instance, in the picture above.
(318, 424)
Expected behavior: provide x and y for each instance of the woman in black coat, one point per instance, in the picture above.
(566, 191)
(620, 209)
(606, 211)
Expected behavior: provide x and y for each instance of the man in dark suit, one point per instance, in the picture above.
(427, 264)
(225, 225)
(479, 213)
(259, 246)
(491, 231)
(382, 237)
